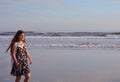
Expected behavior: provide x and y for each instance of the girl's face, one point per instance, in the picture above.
(22, 37)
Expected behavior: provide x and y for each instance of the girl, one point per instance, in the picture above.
(20, 57)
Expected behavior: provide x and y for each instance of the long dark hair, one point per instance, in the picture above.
(15, 39)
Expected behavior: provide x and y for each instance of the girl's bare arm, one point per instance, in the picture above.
(28, 56)
(13, 53)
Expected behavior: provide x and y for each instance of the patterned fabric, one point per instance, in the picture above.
(22, 59)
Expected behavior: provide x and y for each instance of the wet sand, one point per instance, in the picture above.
(67, 65)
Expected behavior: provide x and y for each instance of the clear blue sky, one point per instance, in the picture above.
(60, 15)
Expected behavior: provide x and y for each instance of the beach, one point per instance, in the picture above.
(65, 65)
(67, 59)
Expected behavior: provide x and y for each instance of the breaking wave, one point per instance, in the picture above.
(67, 41)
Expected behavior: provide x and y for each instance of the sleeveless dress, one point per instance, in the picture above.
(21, 56)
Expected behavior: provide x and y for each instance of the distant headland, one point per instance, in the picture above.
(31, 33)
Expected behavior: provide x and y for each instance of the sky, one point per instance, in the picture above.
(60, 15)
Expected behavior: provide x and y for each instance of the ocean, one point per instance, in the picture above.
(67, 58)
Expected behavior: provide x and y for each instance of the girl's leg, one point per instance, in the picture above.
(18, 78)
(27, 77)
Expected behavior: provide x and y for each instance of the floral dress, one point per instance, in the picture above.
(21, 56)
